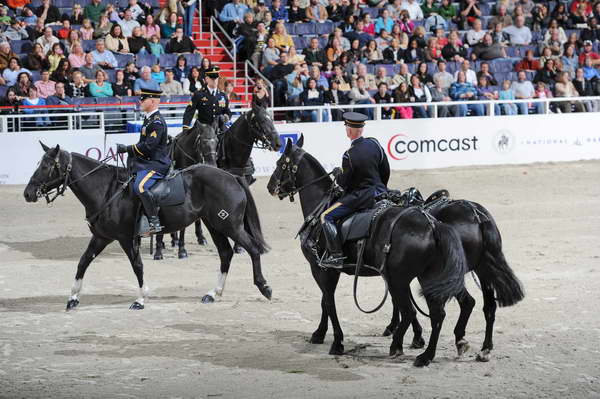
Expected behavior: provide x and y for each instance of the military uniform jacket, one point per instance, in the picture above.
(366, 172)
(151, 152)
(209, 107)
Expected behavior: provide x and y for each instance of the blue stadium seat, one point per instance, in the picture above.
(21, 46)
(130, 99)
(145, 60)
(323, 42)
(512, 52)
(35, 76)
(324, 28)
(374, 12)
(290, 28)
(192, 59)
(300, 42)
(306, 29)
(180, 99)
(485, 21)
(111, 74)
(107, 100)
(123, 59)
(3, 90)
(88, 45)
(168, 60)
(84, 100)
(484, 8)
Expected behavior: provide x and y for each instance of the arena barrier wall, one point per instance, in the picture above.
(409, 144)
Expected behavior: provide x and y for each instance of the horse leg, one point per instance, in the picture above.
(418, 341)
(199, 235)
(329, 280)
(466, 303)
(489, 311)
(174, 240)
(401, 301)
(238, 249)
(95, 247)
(135, 259)
(225, 254)
(243, 239)
(160, 245)
(318, 337)
(437, 315)
(389, 330)
(182, 253)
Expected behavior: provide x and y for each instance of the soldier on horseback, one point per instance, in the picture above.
(150, 156)
(364, 175)
(212, 106)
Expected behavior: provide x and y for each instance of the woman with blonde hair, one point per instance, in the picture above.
(283, 41)
(294, 57)
(77, 55)
(87, 30)
(76, 17)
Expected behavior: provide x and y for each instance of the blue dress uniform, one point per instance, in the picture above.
(150, 159)
(365, 174)
(209, 104)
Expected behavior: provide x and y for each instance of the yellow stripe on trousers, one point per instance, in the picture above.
(331, 208)
(144, 180)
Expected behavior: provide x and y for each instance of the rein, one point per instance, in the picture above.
(293, 168)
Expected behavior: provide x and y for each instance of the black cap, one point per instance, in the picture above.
(149, 93)
(213, 72)
(354, 119)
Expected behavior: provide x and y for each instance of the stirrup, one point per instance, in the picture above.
(332, 262)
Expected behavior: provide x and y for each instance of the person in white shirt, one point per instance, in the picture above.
(520, 35)
(136, 10)
(475, 35)
(413, 8)
(444, 77)
(470, 75)
(128, 23)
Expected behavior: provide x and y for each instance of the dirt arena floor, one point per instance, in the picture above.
(244, 346)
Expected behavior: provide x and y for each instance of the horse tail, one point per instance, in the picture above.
(451, 279)
(494, 268)
(251, 220)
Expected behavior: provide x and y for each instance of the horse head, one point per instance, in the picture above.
(51, 173)
(263, 128)
(283, 180)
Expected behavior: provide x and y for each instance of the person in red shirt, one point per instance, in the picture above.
(63, 33)
(576, 3)
(588, 52)
(528, 63)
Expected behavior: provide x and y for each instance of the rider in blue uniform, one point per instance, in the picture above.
(150, 155)
(364, 175)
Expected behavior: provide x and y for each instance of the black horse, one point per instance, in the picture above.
(223, 201)
(255, 126)
(417, 246)
(482, 243)
(186, 149)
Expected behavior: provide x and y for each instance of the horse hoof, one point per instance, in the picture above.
(158, 256)
(72, 304)
(266, 291)
(484, 356)
(162, 245)
(174, 243)
(395, 351)
(207, 299)
(462, 347)
(317, 339)
(418, 343)
(182, 254)
(422, 361)
(387, 332)
(136, 306)
(238, 250)
(336, 349)
(202, 241)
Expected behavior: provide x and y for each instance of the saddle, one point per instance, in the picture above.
(170, 190)
(358, 225)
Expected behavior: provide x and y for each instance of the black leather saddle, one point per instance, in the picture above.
(357, 225)
(169, 191)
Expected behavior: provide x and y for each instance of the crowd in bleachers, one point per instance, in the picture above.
(404, 51)
(71, 52)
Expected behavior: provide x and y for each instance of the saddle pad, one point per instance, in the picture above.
(169, 191)
(357, 226)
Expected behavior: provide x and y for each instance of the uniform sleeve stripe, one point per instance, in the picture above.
(137, 149)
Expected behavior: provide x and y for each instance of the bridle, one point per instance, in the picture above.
(198, 147)
(292, 168)
(258, 139)
(57, 186)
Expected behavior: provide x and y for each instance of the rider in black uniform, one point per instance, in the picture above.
(364, 175)
(212, 106)
(150, 156)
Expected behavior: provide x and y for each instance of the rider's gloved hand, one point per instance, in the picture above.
(337, 171)
(121, 148)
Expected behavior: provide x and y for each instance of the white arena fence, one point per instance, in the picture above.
(409, 143)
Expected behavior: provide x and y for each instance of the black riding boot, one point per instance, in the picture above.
(152, 212)
(335, 258)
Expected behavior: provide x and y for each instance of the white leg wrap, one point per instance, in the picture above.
(221, 284)
(76, 289)
(142, 294)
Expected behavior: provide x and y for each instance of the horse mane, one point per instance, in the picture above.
(319, 168)
(96, 162)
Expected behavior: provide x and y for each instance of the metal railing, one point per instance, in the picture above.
(259, 74)
(73, 122)
(213, 22)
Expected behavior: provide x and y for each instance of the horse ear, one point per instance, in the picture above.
(44, 146)
(288, 147)
(300, 141)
